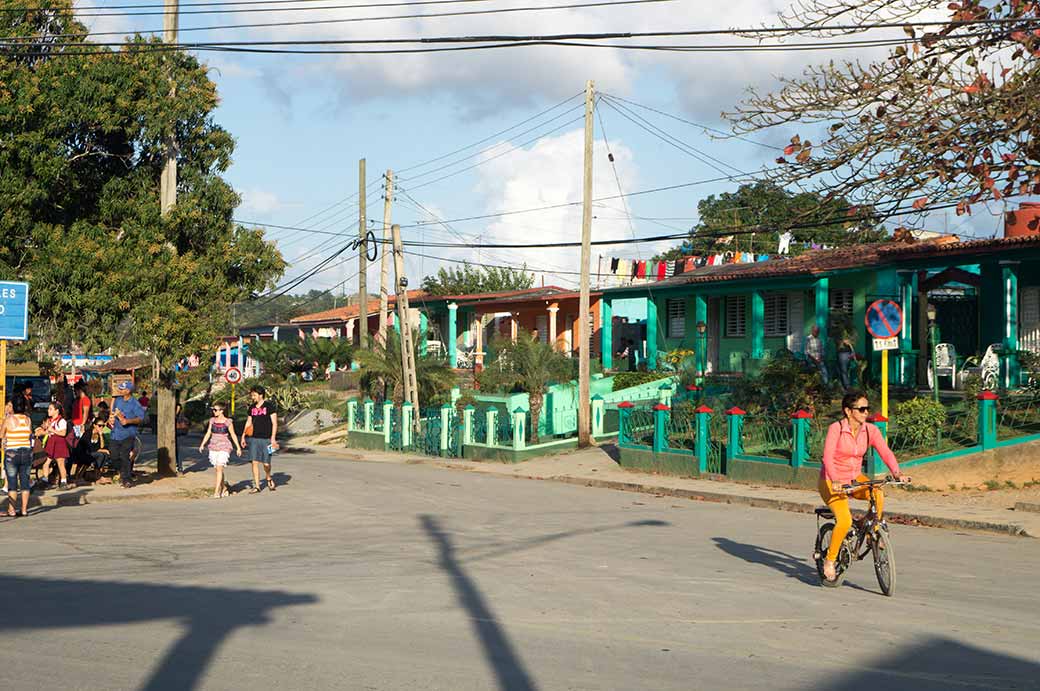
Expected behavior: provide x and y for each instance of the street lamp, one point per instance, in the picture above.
(933, 338)
(702, 347)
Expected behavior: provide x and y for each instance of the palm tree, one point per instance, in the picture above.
(278, 358)
(432, 375)
(532, 365)
(324, 351)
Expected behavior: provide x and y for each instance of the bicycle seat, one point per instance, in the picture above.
(824, 512)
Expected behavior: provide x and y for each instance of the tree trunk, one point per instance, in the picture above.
(166, 429)
(536, 412)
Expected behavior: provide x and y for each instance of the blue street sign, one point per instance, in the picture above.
(884, 319)
(14, 311)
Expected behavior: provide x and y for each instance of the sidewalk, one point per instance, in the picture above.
(594, 467)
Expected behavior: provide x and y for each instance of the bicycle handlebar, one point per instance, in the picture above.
(888, 480)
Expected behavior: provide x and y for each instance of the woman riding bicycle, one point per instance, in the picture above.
(848, 440)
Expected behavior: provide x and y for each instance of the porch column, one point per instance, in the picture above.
(350, 331)
(452, 333)
(513, 326)
(553, 309)
(907, 289)
(1009, 361)
(700, 314)
(424, 325)
(651, 334)
(606, 333)
(758, 318)
(478, 340)
(822, 295)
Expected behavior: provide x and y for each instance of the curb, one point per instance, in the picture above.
(1026, 506)
(795, 507)
(60, 500)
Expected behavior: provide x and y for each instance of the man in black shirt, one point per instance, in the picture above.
(262, 430)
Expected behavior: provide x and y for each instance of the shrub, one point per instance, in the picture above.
(196, 411)
(463, 401)
(626, 380)
(782, 386)
(919, 419)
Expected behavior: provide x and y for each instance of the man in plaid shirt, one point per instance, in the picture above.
(814, 353)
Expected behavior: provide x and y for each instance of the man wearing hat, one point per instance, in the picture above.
(127, 414)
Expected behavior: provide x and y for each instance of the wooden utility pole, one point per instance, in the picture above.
(584, 401)
(411, 387)
(165, 401)
(384, 271)
(362, 260)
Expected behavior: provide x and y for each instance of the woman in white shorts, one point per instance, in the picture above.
(220, 433)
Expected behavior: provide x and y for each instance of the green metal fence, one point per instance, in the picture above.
(768, 436)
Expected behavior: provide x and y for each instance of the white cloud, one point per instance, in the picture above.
(549, 173)
(260, 202)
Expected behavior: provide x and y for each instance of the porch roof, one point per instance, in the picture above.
(853, 257)
(532, 298)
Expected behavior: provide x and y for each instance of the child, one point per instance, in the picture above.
(56, 430)
(220, 433)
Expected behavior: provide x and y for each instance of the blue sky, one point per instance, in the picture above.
(302, 122)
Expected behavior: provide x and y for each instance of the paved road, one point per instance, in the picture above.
(379, 576)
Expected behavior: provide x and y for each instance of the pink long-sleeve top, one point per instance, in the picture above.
(843, 453)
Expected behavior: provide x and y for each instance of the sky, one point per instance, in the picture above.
(497, 131)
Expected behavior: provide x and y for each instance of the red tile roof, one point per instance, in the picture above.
(346, 312)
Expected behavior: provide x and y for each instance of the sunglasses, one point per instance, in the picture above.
(862, 409)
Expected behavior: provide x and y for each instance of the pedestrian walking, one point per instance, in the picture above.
(846, 354)
(814, 354)
(220, 433)
(55, 431)
(262, 431)
(145, 401)
(127, 415)
(17, 435)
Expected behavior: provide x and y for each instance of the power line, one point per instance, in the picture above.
(294, 6)
(672, 140)
(353, 20)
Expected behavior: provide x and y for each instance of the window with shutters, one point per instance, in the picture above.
(775, 317)
(1029, 319)
(841, 300)
(676, 315)
(736, 316)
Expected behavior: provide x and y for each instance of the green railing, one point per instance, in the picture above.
(637, 427)
(682, 429)
(1018, 416)
(769, 437)
(960, 432)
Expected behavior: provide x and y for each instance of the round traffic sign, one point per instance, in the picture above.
(232, 375)
(884, 319)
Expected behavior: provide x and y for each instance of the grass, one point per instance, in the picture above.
(992, 484)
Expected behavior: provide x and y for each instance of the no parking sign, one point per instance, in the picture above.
(884, 320)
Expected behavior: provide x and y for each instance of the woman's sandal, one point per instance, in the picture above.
(271, 486)
(254, 490)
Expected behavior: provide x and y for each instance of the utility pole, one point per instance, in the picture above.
(384, 271)
(362, 260)
(584, 402)
(165, 430)
(411, 387)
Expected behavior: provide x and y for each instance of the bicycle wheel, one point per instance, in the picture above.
(884, 562)
(841, 564)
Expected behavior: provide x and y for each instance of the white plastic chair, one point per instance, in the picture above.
(988, 369)
(945, 364)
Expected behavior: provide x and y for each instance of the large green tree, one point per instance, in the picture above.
(752, 218)
(949, 117)
(82, 144)
(469, 280)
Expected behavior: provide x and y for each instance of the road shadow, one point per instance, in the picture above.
(503, 658)
(938, 664)
(787, 564)
(208, 615)
(499, 651)
(612, 451)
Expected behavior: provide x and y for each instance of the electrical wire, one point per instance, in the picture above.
(294, 7)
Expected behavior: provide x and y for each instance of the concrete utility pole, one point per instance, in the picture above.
(584, 401)
(411, 387)
(362, 260)
(165, 402)
(384, 271)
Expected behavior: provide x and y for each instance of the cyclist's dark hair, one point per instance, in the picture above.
(850, 398)
(18, 405)
(256, 388)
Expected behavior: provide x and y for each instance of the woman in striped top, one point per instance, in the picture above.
(16, 433)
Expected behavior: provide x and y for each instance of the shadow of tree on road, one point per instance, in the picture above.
(208, 615)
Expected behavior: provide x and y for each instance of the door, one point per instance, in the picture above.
(795, 321)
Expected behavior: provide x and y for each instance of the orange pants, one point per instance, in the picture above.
(839, 506)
